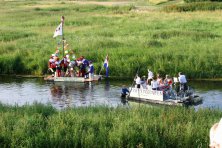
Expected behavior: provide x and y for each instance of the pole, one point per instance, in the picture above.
(62, 21)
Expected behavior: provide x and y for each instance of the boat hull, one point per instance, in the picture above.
(157, 97)
(72, 79)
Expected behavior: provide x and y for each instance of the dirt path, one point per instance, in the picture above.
(104, 3)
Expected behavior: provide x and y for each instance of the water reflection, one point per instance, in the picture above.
(84, 94)
(20, 91)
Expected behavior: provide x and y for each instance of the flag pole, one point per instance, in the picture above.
(62, 21)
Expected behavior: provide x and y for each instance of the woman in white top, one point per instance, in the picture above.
(154, 84)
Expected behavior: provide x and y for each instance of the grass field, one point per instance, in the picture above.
(164, 42)
(138, 126)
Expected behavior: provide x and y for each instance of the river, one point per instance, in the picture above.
(21, 91)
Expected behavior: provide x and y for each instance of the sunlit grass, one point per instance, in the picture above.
(164, 42)
(43, 126)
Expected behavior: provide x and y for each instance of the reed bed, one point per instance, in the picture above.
(164, 42)
(138, 126)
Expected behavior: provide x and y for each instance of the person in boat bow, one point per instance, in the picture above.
(125, 91)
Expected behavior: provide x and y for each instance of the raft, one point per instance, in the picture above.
(72, 79)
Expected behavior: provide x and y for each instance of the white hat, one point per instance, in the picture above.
(53, 55)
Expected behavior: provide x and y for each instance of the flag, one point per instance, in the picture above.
(58, 31)
(106, 65)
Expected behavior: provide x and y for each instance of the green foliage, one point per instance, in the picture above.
(194, 6)
(43, 126)
(166, 42)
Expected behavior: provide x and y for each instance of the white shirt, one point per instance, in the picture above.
(138, 81)
(182, 79)
(154, 84)
(150, 75)
(51, 60)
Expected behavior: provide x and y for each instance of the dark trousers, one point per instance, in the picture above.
(183, 86)
(138, 85)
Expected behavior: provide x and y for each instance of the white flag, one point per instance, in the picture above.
(58, 31)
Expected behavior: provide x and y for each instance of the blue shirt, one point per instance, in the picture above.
(124, 91)
(91, 69)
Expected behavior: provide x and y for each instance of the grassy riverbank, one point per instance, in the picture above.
(43, 126)
(133, 38)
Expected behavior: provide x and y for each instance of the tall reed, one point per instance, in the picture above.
(137, 126)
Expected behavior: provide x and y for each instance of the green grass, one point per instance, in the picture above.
(43, 126)
(164, 42)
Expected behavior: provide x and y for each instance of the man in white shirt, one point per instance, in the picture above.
(138, 81)
(183, 81)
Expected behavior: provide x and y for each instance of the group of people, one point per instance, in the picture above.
(70, 66)
(160, 83)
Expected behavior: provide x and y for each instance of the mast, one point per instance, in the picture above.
(62, 21)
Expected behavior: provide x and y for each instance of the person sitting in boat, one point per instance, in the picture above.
(160, 80)
(168, 93)
(183, 81)
(168, 82)
(150, 77)
(154, 84)
(143, 82)
(138, 81)
(125, 91)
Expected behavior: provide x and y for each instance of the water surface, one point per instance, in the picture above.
(20, 91)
